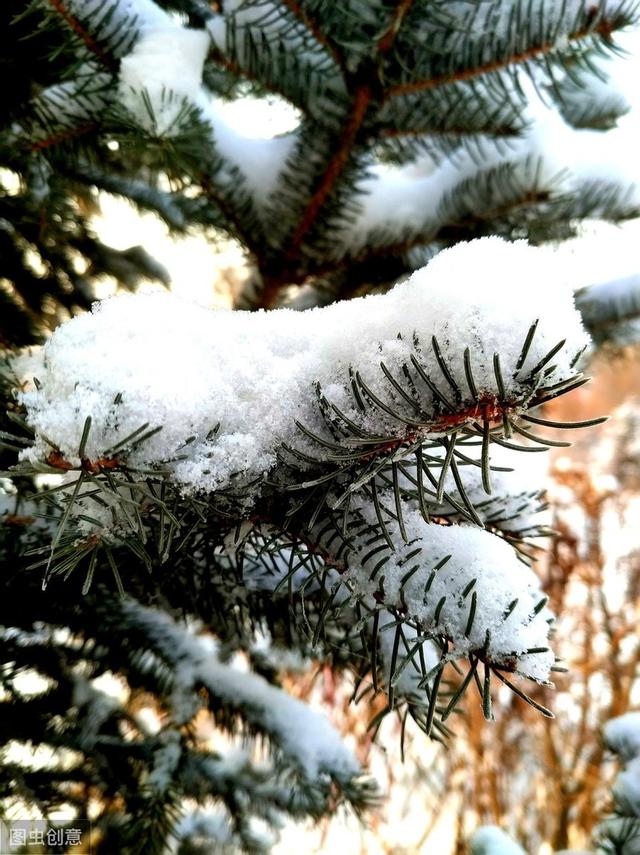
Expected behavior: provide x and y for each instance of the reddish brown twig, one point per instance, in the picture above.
(70, 133)
(363, 97)
(389, 37)
(57, 460)
(90, 43)
(307, 21)
(604, 28)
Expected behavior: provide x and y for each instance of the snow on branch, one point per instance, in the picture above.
(160, 74)
(488, 329)
(621, 831)
(547, 159)
(243, 28)
(160, 87)
(159, 90)
(114, 23)
(611, 310)
(461, 584)
(517, 486)
(622, 736)
(305, 737)
(70, 108)
(477, 39)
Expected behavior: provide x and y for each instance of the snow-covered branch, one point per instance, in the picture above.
(306, 738)
(611, 310)
(212, 384)
(209, 411)
(460, 584)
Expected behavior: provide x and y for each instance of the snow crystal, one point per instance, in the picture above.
(440, 571)
(158, 361)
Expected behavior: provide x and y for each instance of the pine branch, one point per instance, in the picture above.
(63, 136)
(386, 42)
(90, 43)
(314, 29)
(602, 28)
(369, 521)
(394, 253)
(362, 99)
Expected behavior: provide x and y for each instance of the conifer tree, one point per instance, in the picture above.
(191, 496)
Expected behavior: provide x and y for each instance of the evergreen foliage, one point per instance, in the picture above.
(396, 476)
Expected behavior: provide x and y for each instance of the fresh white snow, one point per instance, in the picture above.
(305, 736)
(159, 361)
(161, 72)
(461, 583)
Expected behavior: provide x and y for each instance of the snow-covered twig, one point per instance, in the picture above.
(304, 736)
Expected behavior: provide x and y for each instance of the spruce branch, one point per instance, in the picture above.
(63, 136)
(314, 29)
(362, 493)
(362, 99)
(386, 42)
(80, 30)
(599, 25)
(360, 117)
